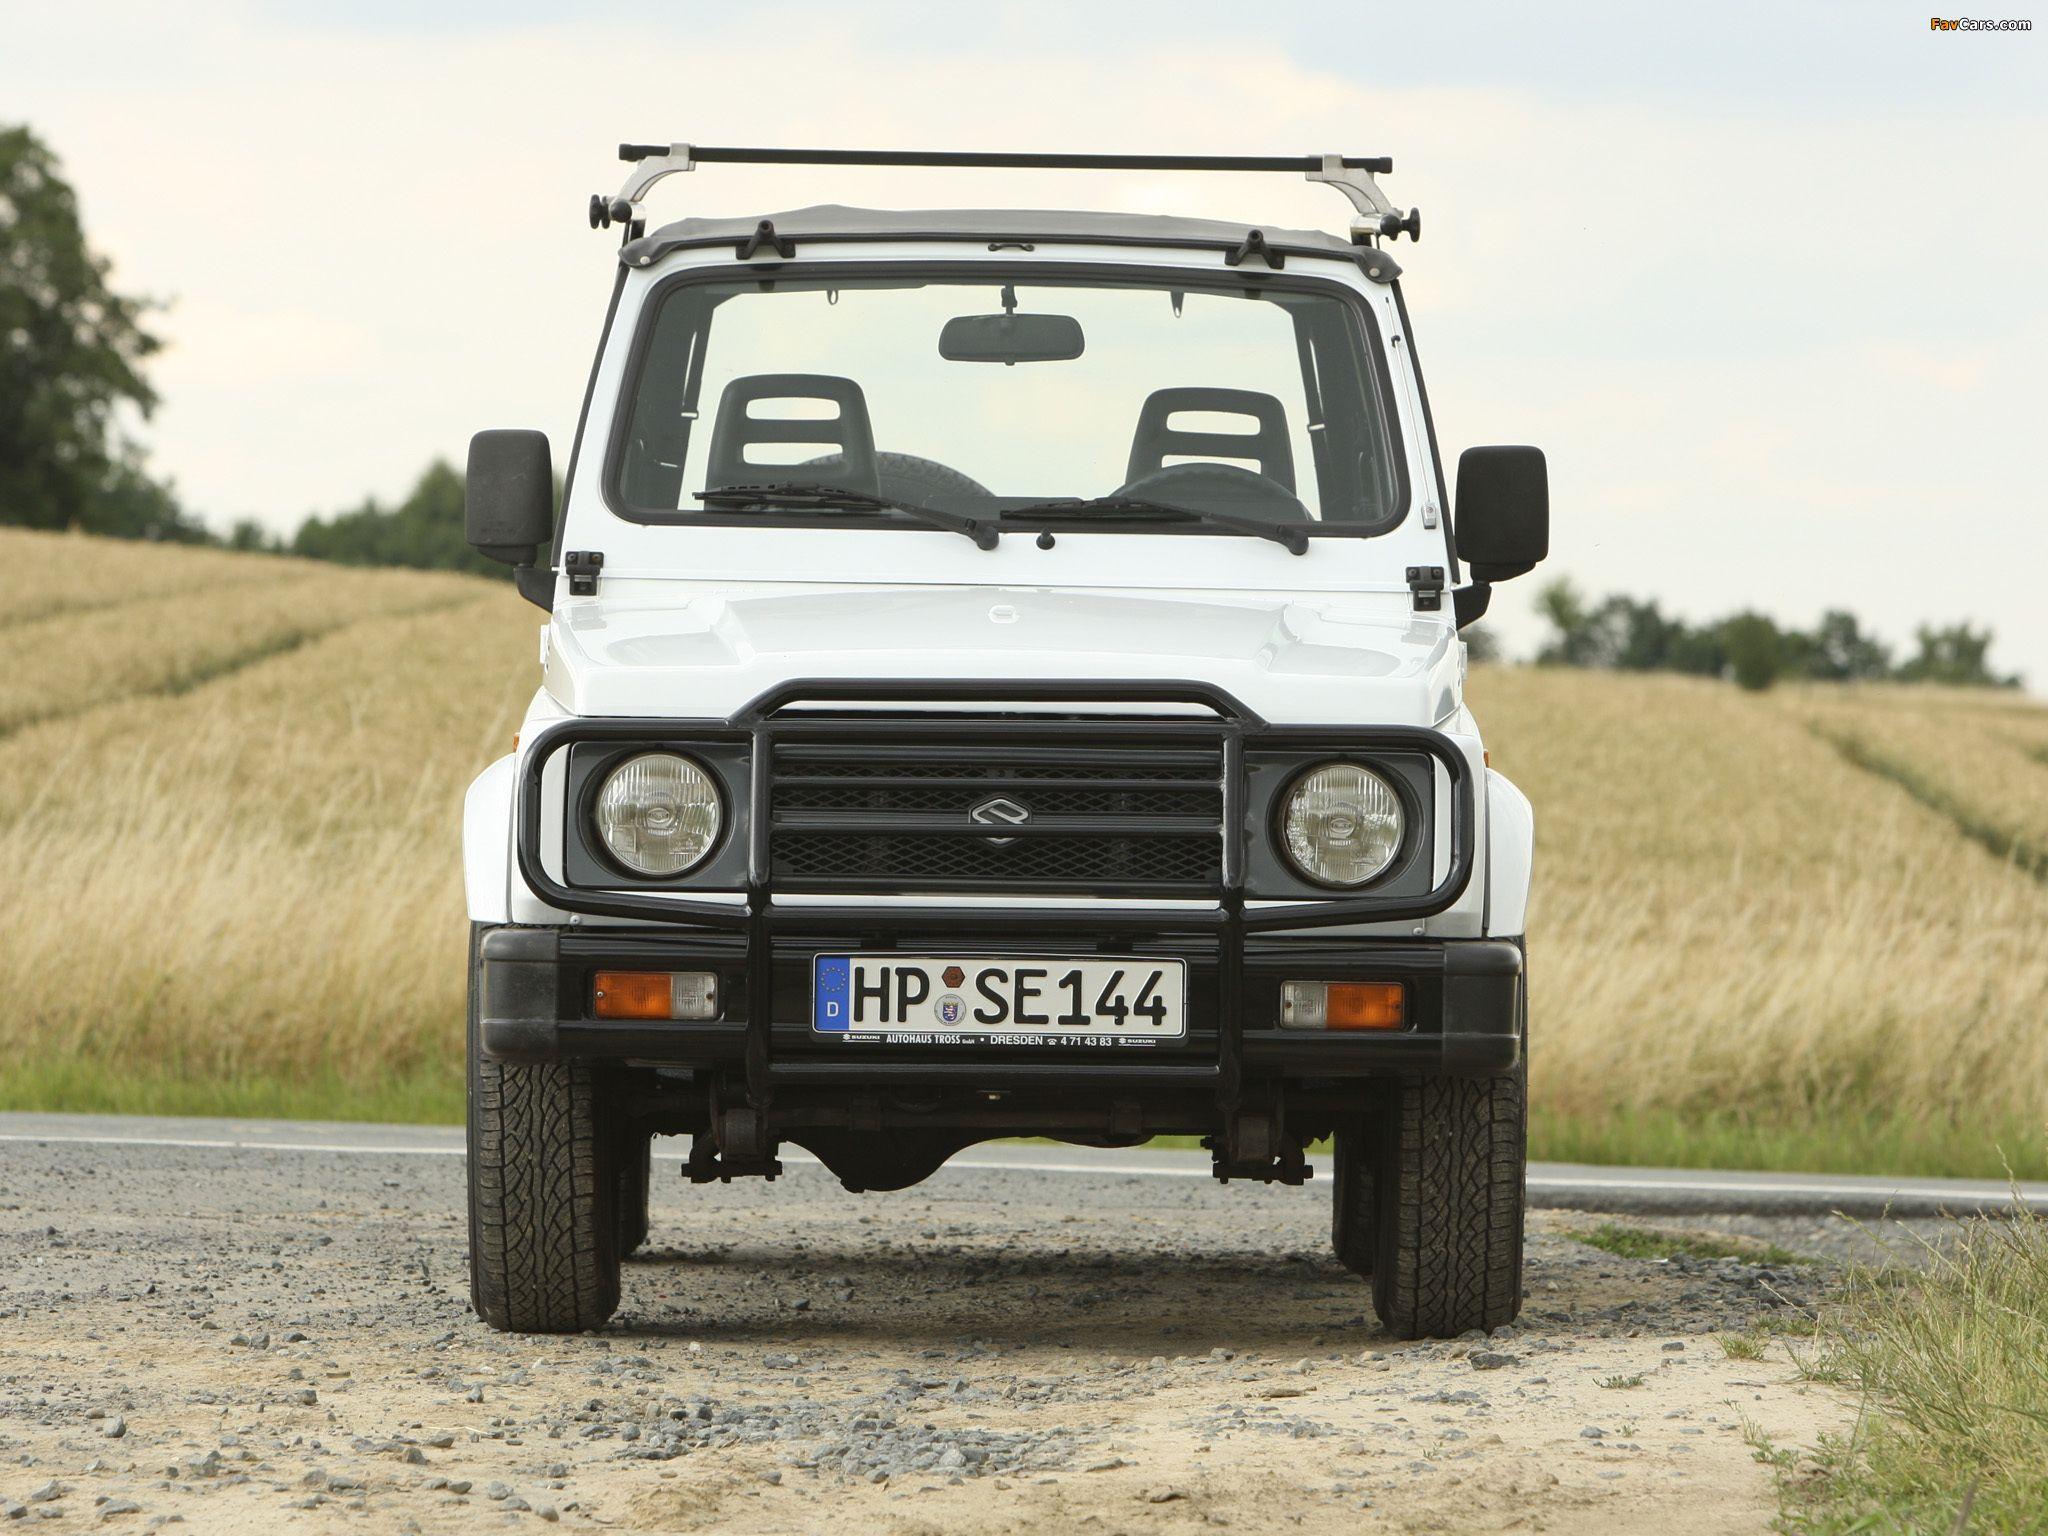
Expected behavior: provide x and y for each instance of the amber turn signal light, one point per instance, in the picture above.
(1343, 1005)
(1368, 1005)
(655, 995)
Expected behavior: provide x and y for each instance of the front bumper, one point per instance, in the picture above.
(760, 1072)
(1464, 996)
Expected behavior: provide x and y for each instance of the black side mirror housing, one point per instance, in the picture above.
(509, 510)
(1503, 514)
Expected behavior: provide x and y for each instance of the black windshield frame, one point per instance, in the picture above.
(1093, 273)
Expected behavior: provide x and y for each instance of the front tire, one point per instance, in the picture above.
(543, 1228)
(1447, 1196)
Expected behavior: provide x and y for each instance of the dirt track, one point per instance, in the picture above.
(280, 1341)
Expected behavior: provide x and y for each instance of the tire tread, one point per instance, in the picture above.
(1430, 1201)
(543, 1236)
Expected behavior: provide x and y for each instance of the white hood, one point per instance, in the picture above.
(668, 648)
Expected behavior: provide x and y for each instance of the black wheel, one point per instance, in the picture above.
(543, 1234)
(1430, 1200)
(635, 1179)
(1448, 1213)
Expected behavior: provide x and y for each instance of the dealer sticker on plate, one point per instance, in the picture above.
(1014, 1000)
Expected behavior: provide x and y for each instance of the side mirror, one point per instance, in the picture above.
(509, 510)
(1503, 514)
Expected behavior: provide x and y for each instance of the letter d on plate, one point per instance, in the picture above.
(831, 979)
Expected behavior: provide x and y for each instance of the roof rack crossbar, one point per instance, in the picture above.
(1351, 175)
(706, 154)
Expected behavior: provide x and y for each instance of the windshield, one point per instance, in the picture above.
(1013, 399)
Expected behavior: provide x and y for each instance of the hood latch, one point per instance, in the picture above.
(582, 565)
(1425, 584)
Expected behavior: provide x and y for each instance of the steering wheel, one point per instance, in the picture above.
(906, 477)
(1223, 487)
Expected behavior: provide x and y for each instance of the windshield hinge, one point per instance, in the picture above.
(1255, 246)
(1426, 585)
(581, 567)
(764, 235)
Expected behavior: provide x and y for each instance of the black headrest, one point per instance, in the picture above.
(1265, 445)
(737, 430)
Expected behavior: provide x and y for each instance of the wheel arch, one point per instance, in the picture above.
(487, 844)
(1510, 856)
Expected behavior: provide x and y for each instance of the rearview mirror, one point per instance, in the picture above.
(1503, 514)
(1011, 338)
(509, 509)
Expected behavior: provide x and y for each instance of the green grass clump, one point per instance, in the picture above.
(1903, 1140)
(1654, 1243)
(1954, 1361)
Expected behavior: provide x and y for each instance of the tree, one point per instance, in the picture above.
(1576, 644)
(1954, 653)
(426, 529)
(1841, 652)
(1624, 632)
(1701, 651)
(71, 355)
(1756, 651)
(251, 536)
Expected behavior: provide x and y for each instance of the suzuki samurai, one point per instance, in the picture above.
(1002, 678)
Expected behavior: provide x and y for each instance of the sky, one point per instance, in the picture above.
(1763, 280)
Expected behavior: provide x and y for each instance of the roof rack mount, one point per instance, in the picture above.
(1374, 216)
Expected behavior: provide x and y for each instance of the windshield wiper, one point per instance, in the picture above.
(804, 493)
(1137, 508)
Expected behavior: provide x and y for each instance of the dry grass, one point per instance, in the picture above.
(257, 879)
(1738, 933)
(57, 573)
(235, 876)
(77, 661)
(1981, 761)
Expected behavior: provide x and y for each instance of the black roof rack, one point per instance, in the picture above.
(1351, 175)
(706, 154)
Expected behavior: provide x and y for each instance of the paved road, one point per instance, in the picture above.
(264, 1328)
(1552, 1186)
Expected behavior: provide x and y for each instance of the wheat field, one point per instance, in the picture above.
(1748, 946)
(1796, 929)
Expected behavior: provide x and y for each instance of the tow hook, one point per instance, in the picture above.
(1257, 1147)
(738, 1147)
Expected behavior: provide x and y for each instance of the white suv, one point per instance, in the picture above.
(1002, 678)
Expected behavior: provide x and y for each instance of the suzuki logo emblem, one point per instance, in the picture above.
(1000, 812)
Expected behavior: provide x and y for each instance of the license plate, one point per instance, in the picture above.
(1014, 1000)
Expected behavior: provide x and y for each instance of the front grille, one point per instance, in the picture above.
(1100, 816)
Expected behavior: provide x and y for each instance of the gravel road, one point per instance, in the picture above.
(257, 1339)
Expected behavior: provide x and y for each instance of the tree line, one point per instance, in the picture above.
(426, 530)
(1635, 635)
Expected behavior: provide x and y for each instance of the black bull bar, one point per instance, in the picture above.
(762, 725)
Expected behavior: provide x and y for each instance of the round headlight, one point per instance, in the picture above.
(658, 814)
(1342, 824)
